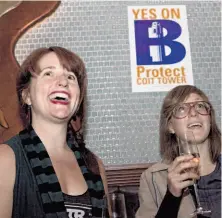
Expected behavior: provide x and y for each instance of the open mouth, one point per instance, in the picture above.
(194, 125)
(59, 98)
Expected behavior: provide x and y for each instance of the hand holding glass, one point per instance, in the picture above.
(188, 146)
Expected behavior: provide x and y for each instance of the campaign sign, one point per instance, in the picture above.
(159, 47)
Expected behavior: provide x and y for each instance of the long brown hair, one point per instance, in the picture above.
(72, 62)
(168, 141)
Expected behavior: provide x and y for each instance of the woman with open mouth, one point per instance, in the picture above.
(170, 188)
(46, 171)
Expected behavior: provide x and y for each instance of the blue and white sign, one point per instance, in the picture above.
(159, 47)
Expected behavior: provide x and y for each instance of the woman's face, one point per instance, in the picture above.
(54, 93)
(197, 123)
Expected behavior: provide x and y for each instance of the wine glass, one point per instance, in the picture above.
(187, 146)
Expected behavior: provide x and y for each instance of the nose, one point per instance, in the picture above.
(62, 80)
(192, 111)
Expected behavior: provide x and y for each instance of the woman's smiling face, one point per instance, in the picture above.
(54, 92)
(197, 123)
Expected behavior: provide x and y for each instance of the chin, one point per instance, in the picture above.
(61, 114)
(201, 134)
(201, 140)
(64, 118)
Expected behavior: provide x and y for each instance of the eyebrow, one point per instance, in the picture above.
(49, 67)
(193, 102)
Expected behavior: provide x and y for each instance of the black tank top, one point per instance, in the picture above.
(78, 206)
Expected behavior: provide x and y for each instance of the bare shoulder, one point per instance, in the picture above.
(7, 180)
(6, 153)
(7, 162)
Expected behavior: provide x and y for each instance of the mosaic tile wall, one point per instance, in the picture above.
(121, 126)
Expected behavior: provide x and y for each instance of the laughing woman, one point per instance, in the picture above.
(46, 170)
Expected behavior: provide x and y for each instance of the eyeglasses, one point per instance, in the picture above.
(182, 110)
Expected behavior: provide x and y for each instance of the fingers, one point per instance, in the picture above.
(178, 161)
(174, 178)
(182, 173)
(177, 182)
(182, 185)
(188, 176)
(185, 166)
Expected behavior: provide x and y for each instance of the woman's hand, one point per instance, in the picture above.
(179, 175)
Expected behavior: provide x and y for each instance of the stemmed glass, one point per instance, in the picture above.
(188, 146)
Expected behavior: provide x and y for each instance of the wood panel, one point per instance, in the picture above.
(12, 25)
(6, 6)
(124, 176)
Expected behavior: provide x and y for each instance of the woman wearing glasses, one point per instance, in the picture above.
(165, 187)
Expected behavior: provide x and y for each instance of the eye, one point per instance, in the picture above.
(181, 109)
(204, 106)
(71, 77)
(48, 73)
(201, 105)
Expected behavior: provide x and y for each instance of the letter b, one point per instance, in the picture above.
(150, 42)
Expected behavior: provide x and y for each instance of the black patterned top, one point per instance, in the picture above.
(78, 206)
(41, 173)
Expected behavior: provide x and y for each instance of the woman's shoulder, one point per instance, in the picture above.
(157, 167)
(10, 149)
(7, 178)
(7, 151)
(7, 161)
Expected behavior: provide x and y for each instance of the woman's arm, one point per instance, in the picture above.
(178, 178)
(148, 205)
(7, 180)
(169, 206)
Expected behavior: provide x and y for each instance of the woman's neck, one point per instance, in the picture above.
(52, 135)
(203, 149)
(206, 165)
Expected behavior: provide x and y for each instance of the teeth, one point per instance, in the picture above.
(58, 95)
(194, 124)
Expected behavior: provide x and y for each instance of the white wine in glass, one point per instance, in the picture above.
(187, 146)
